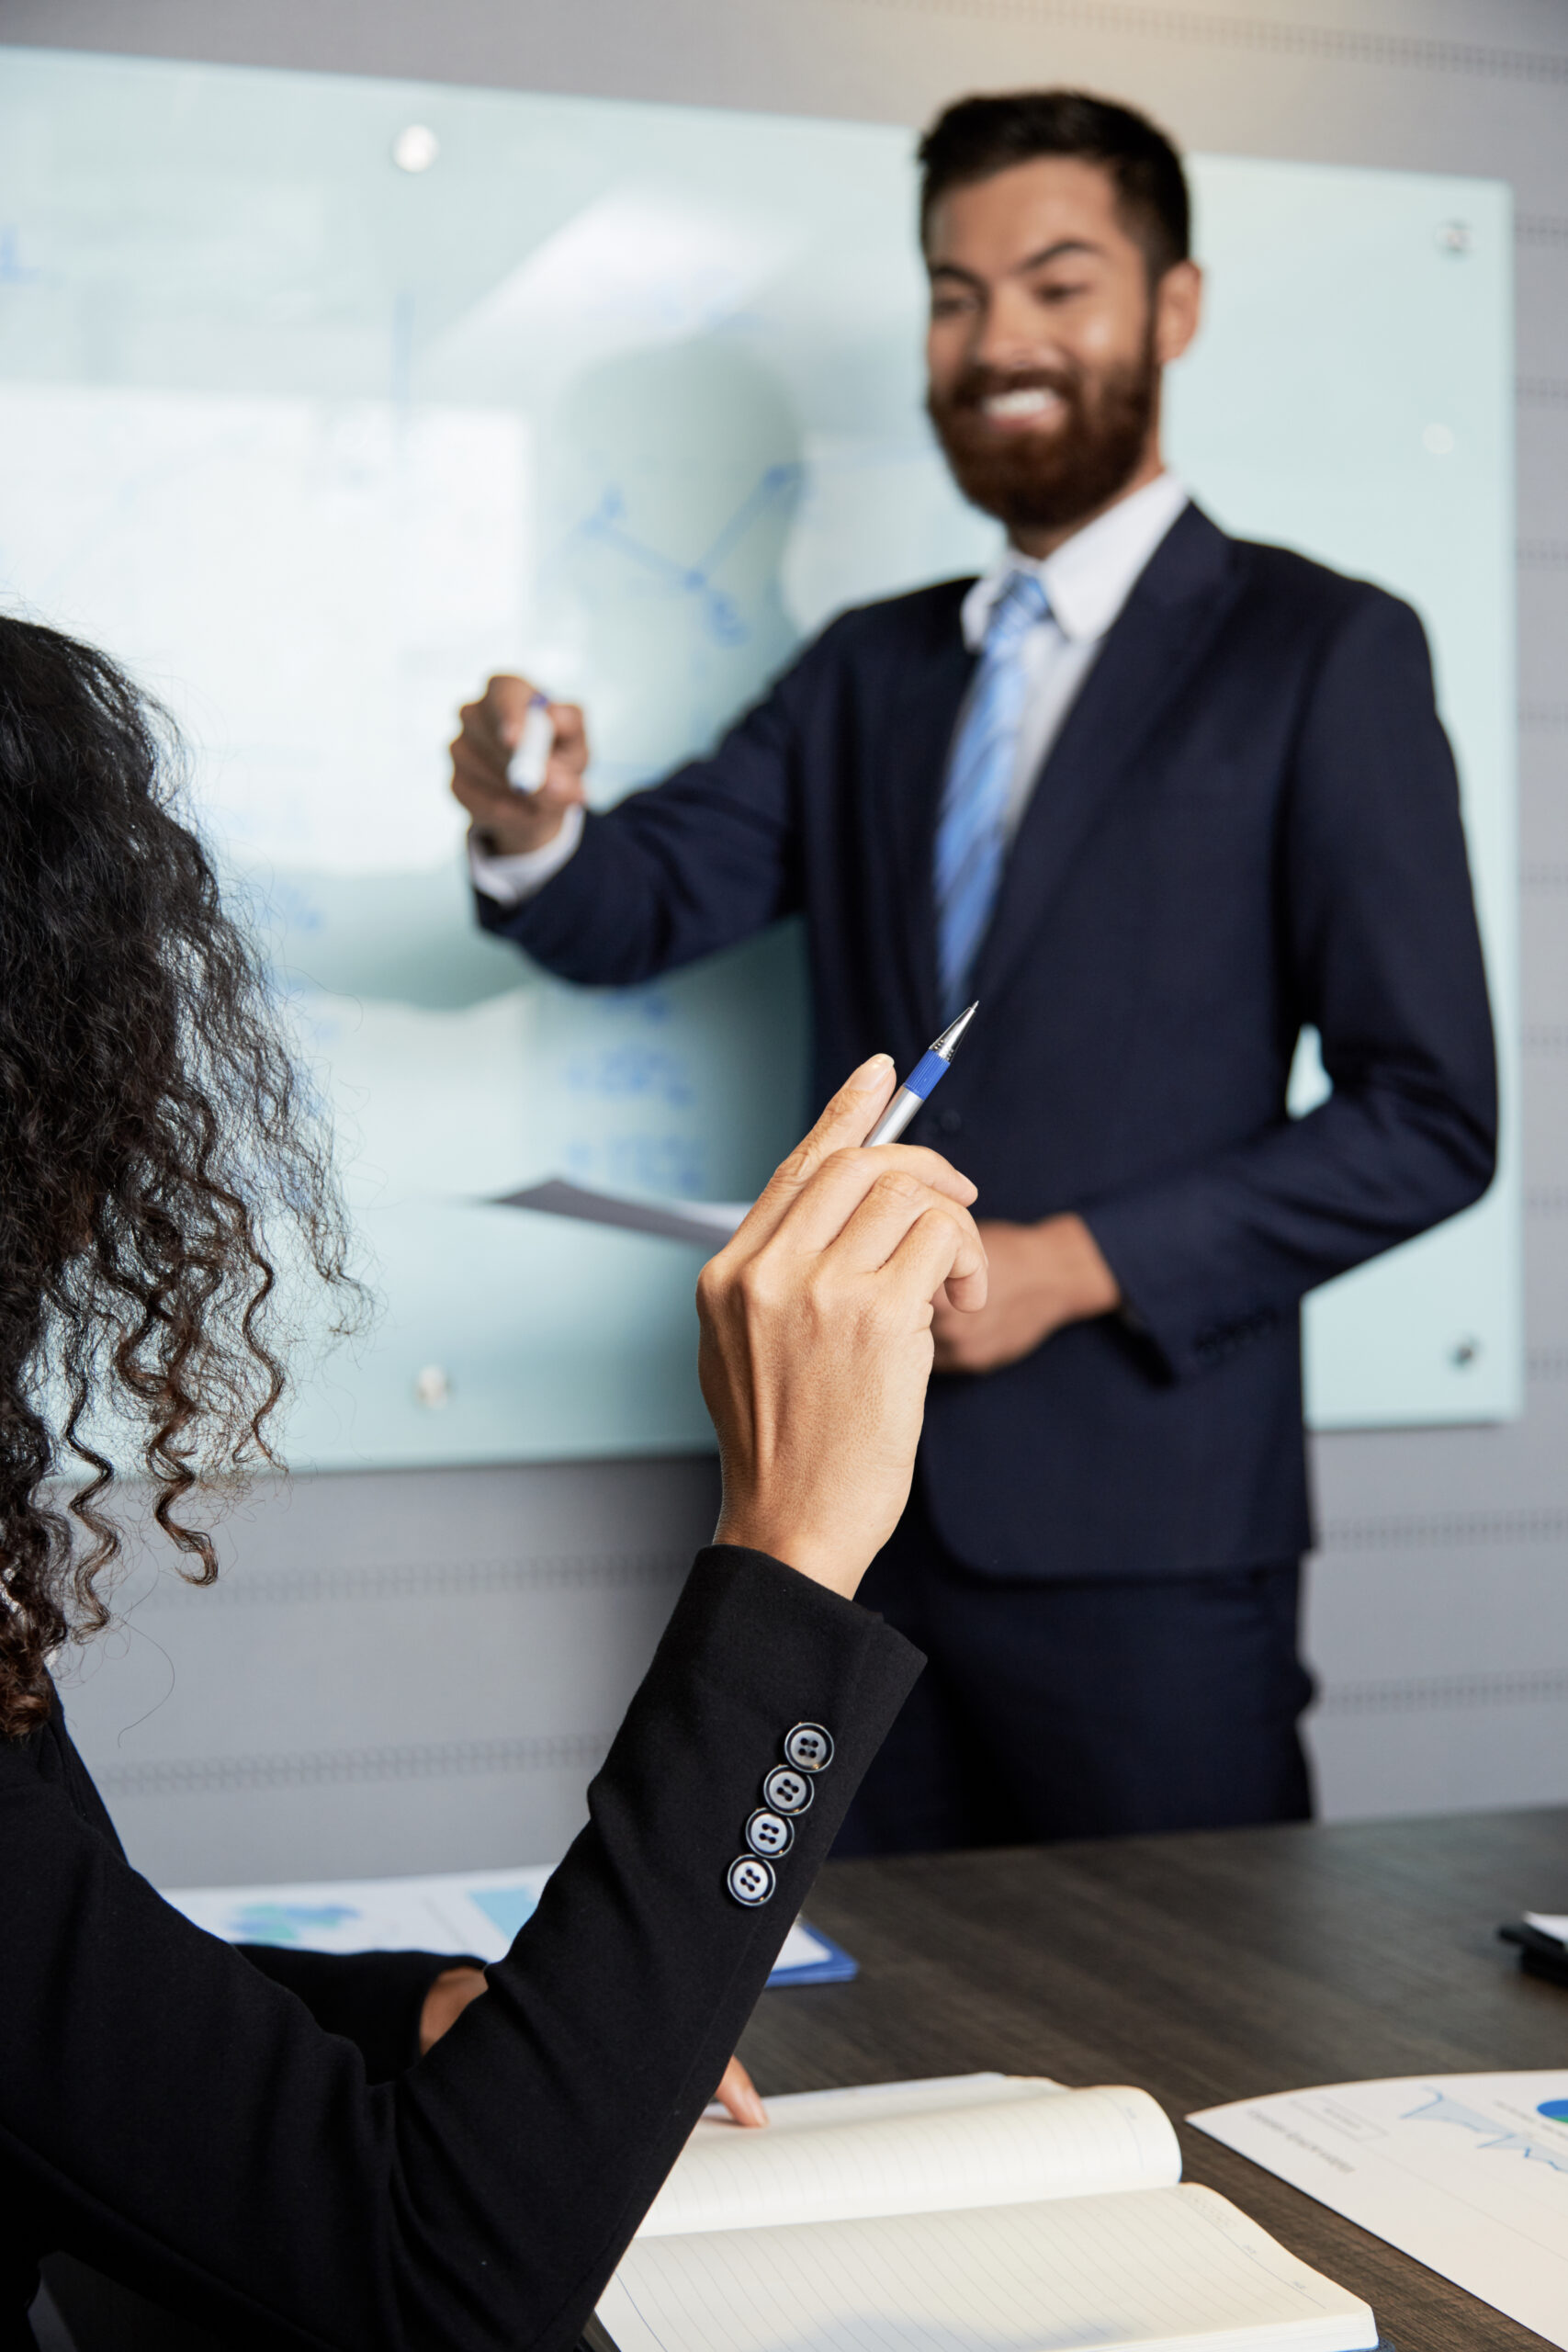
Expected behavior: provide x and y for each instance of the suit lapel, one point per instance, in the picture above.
(1163, 632)
(928, 695)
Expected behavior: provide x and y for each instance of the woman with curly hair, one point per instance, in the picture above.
(255, 2140)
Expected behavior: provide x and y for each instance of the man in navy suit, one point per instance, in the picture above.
(1159, 798)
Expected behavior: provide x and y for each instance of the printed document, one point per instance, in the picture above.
(467, 1913)
(1468, 2173)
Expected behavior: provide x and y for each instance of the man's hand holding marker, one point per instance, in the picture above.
(517, 766)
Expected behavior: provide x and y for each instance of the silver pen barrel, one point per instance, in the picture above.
(896, 1117)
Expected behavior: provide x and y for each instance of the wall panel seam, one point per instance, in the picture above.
(401, 1581)
(1341, 44)
(1526, 1687)
(331, 1768)
(1447, 1531)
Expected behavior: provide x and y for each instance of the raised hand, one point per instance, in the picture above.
(508, 820)
(816, 1337)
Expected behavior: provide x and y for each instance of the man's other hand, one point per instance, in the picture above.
(1040, 1277)
(507, 822)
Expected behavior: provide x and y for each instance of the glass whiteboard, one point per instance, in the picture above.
(631, 395)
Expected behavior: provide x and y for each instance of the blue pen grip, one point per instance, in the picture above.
(925, 1074)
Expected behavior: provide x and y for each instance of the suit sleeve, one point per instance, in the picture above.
(190, 2129)
(702, 861)
(373, 1998)
(1384, 959)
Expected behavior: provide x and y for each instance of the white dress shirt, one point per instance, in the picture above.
(1086, 582)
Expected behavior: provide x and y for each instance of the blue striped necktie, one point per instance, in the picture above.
(971, 830)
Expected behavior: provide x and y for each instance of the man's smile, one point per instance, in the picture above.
(1030, 404)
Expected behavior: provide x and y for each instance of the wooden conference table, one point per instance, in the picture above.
(1205, 1967)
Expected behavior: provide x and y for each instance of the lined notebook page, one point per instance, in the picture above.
(1173, 2266)
(1036, 2141)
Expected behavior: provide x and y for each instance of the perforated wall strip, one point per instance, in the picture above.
(1446, 1531)
(1541, 392)
(1545, 1687)
(1341, 44)
(335, 1768)
(406, 1580)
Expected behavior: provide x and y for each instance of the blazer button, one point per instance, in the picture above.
(750, 1881)
(808, 1747)
(770, 1834)
(787, 1790)
(949, 1122)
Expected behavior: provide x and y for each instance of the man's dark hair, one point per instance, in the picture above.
(978, 137)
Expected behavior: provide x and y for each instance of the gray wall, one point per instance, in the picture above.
(417, 1670)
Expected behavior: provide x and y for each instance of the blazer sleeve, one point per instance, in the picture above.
(1384, 959)
(706, 858)
(189, 2130)
(373, 1998)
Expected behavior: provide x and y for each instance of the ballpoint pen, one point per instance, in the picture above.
(927, 1074)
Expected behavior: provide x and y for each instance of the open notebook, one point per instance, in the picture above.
(978, 2214)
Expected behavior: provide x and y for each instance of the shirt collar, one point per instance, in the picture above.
(1091, 575)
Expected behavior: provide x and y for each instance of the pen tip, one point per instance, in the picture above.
(947, 1042)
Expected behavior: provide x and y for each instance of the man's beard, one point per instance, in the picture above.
(1049, 480)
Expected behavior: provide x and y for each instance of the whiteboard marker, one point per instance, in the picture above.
(927, 1074)
(526, 768)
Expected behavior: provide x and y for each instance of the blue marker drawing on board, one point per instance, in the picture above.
(724, 621)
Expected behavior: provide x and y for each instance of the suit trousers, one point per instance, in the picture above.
(1085, 1709)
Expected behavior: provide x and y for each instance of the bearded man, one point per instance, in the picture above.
(1158, 799)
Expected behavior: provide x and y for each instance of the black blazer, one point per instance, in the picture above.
(182, 2122)
(1249, 823)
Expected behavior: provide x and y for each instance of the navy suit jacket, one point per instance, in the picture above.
(1249, 823)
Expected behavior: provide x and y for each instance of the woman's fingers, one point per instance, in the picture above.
(818, 1186)
(846, 1121)
(738, 2093)
(896, 1205)
(816, 1337)
(893, 1173)
(926, 1261)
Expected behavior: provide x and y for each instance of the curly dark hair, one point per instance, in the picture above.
(158, 1147)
